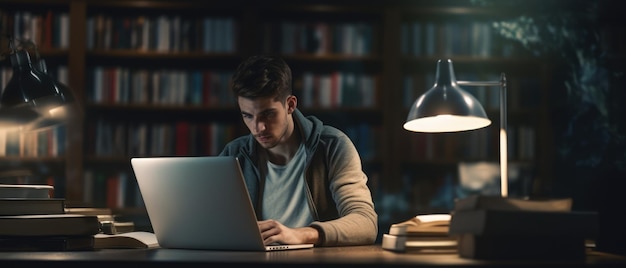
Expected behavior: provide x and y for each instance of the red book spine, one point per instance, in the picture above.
(182, 138)
(112, 189)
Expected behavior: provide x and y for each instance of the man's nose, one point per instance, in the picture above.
(260, 125)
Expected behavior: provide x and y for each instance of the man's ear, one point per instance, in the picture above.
(292, 103)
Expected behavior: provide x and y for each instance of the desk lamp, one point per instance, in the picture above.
(446, 107)
(493, 230)
(32, 98)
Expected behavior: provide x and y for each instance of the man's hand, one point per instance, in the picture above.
(274, 232)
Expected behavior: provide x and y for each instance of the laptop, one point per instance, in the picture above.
(200, 202)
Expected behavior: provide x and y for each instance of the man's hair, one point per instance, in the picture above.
(262, 76)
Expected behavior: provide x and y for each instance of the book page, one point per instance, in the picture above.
(427, 224)
(137, 239)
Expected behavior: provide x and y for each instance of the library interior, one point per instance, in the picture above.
(152, 78)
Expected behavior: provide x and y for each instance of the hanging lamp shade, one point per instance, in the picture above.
(446, 107)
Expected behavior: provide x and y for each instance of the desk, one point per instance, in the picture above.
(361, 256)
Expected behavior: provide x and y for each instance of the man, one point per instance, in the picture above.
(304, 178)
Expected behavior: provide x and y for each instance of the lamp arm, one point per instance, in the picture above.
(504, 172)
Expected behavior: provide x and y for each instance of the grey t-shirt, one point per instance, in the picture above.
(284, 196)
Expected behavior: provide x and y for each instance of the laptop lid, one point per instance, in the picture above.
(199, 202)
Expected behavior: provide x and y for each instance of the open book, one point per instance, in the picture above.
(137, 239)
(423, 225)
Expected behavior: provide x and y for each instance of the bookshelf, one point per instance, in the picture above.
(356, 66)
(157, 84)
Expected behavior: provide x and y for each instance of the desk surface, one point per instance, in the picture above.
(327, 256)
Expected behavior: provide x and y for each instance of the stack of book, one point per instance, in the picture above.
(493, 227)
(40, 223)
(115, 233)
(108, 222)
(422, 232)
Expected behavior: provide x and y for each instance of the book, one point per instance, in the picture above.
(521, 247)
(31, 206)
(104, 214)
(25, 191)
(49, 225)
(473, 202)
(108, 222)
(47, 243)
(523, 234)
(137, 239)
(502, 222)
(423, 225)
(406, 242)
(116, 227)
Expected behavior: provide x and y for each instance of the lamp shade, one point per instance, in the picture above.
(17, 116)
(31, 89)
(446, 107)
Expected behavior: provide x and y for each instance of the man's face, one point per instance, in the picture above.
(268, 120)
